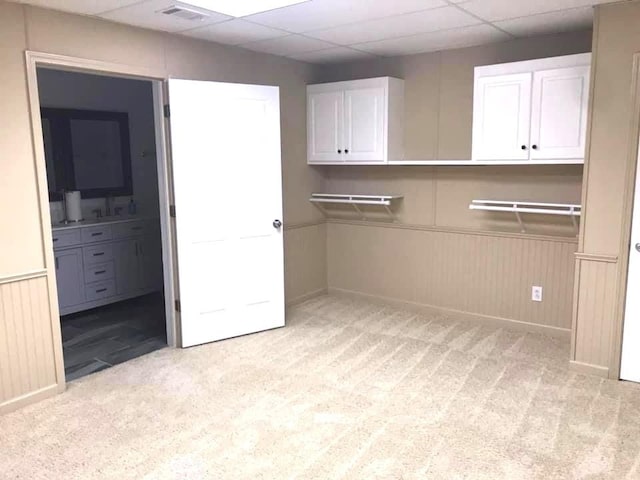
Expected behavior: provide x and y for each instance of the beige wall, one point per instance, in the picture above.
(483, 274)
(440, 253)
(608, 191)
(164, 55)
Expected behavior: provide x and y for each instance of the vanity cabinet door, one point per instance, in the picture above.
(126, 254)
(69, 277)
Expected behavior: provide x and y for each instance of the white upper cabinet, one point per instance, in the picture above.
(502, 117)
(355, 122)
(532, 111)
(325, 118)
(559, 113)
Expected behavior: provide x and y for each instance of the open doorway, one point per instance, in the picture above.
(99, 137)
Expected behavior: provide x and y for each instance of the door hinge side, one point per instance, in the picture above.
(178, 306)
(172, 211)
(167, 111)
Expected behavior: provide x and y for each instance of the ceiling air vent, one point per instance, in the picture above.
(184, 13)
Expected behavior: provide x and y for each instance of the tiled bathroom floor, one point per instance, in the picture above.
(109, 335)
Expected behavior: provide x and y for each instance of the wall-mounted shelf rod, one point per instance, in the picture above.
(570, 210)
(355, 200)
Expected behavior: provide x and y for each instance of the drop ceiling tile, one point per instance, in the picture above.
(494, 10)
(288, 45)
(84, 7)
(147, 14)
(333, 55)
(235, 32)
(397, 26)
(320, 14)
(554, 22)
(435, 41)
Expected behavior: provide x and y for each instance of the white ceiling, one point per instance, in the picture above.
(326, 31)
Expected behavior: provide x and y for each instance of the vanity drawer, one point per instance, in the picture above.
(98, 233)
(128, 229)
(99, 290)
(97, 254)
(66, 238)
(99, 272)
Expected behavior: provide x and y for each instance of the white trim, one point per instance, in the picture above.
(588, 369)
(62, 62)
(462, 163)
(19, 277)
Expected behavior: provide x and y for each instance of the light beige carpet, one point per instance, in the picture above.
(348, 389)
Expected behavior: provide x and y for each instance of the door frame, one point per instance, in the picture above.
(165, 187)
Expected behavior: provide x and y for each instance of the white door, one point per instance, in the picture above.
(324, 127)
(501, 117)
(364, 125)
(630, 362)
(559, 113)
(225, 141)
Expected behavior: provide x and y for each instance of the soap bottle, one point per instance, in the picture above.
(132, 207)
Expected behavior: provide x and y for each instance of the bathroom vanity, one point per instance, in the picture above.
(106, 260)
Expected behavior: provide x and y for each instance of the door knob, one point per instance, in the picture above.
(277, 224)
(638, 247)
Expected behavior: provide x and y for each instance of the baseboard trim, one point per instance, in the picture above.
(589, 369)
(30, 398)
(306, 296)
(508, 323)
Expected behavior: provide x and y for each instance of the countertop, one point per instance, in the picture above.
(97, 221)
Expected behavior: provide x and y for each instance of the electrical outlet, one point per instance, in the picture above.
(536, 294)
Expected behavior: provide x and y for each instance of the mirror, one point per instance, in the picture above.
(87, 150)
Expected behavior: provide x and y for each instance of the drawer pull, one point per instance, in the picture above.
(96, 234)
(100, 290)
(55, 239)
(99, 272)
(98, 254)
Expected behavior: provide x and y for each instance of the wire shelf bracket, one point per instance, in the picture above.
(356, 201)
(573, 211)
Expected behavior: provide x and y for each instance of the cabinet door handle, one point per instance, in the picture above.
(57, 263)
(55, 240)
(535, 147)
(100, 290)
(99, 272)
(99, 254)
(346, 150)
(96, 234)
(523, 147)
(339, 151)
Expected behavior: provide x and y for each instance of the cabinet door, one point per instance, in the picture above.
(501, 117)
(324, 127)
(559, 113)
(127, 264)
(364, 125)
(69, 277)
(150, 263)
